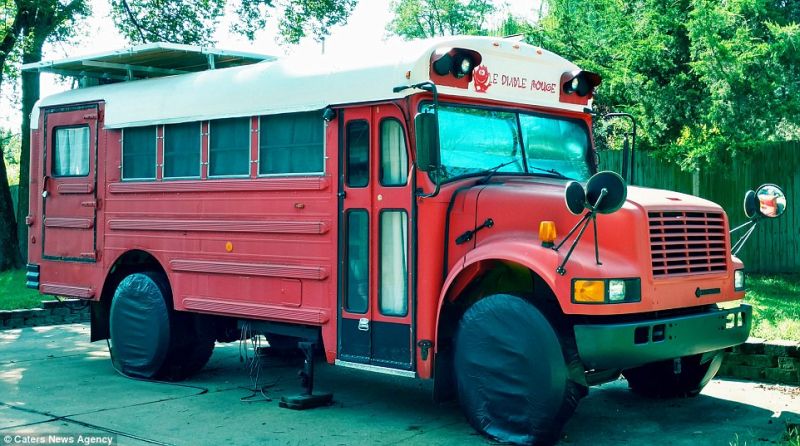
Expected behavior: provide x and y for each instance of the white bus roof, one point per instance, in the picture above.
(304, 83)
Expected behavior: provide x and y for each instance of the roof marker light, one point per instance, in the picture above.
(457, 62)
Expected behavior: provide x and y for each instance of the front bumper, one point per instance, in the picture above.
(619, 346)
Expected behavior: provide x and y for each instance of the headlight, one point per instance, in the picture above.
(604, 291)
(616, 290)
(738, 280)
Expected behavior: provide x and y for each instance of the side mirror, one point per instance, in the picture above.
(427, 141)
(771, 201)
(605, 193)
(768, 201)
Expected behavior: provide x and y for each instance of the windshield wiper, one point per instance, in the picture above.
(552, 171)
(490, 172)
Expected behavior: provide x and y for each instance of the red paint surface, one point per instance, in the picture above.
(284, 264)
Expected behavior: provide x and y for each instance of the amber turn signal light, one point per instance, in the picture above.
(588, 291)
(547, 233)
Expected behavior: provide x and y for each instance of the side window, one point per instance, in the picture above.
(291, 143)
(71, 152)
(182, 150)
(394, 263)
(139, 153)
(357, 292)
(357, 154)
(394, 158)
(229, 147)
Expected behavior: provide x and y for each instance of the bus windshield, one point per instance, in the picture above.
(476, 139)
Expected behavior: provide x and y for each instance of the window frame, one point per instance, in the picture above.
(88, 150)
(380, 262)
(347, 153)
(347, 271)
(293, 174)
(590, 152)
(405, 151)
(122, 156)
(209, 176)
(199, 175)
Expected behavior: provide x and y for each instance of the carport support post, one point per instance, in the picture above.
(306, 400)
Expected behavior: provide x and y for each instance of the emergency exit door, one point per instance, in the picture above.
(69, 189)
(375, 314)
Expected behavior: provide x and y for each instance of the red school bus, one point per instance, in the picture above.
(401, 209)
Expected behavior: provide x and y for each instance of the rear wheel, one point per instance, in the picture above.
(149, 338)
(511, 374)
(666, 379)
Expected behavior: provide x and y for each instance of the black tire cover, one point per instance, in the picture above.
(139, 326)
(510, 371)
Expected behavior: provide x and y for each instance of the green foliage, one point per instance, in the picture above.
(705, 79)
(776, 306)
(429, 18)
(180, 21)
(10, 147)
(175, 21)
(13, 293)
(313, 17)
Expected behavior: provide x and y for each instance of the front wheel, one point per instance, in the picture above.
(511, 375)
(668, 379)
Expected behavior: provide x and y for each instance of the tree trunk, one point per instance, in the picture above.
(9, 254)
(30, 94)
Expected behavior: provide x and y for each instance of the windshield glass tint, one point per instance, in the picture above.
(556, 144)
(474, 140)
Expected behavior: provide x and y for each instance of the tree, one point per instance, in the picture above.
(40, 21)
(36, 22)
(194, 22)
(428, 18)
(9, 254)
(705, 79)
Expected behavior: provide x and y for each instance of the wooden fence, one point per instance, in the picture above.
(774, 246)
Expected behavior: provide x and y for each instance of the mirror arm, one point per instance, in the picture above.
(744, 225)
(628, 169)
(741, 242)
(435, 189)
(429, 86)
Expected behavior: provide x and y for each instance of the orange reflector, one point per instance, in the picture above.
(229, 246)
(547, 232)
(591, 291)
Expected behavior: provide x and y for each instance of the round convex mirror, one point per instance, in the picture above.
(616, 191)
(771, 201)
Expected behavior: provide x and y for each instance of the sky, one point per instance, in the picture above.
(367, 23)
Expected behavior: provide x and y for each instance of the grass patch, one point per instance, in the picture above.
(776, 306)
(14, 295)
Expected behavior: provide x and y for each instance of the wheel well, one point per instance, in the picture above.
(493, 277)
(130, 262)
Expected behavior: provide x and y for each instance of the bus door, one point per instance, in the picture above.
(69, 195)
(375, 305)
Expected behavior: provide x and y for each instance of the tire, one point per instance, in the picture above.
(511, 374)
(659, 380)
(151, 340)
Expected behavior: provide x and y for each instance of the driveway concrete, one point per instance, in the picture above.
(52, 380)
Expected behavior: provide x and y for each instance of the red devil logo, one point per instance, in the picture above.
(481, 77)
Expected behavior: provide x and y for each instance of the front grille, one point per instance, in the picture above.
(687, 243)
